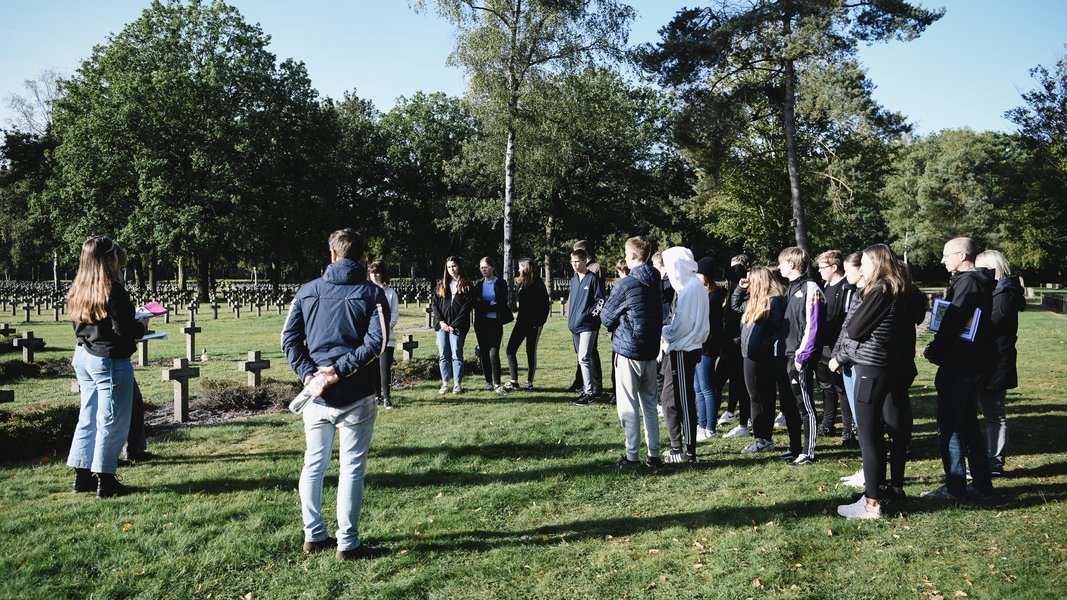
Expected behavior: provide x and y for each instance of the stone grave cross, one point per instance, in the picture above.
(253, 366)
(180, 375)
(190, 332)
(29, 345)
(409, 346)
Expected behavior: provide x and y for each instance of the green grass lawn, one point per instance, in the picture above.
(484, 496)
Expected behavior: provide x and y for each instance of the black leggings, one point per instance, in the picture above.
(760, 378)
(385, 373)
(519, 333)
(489, 333)
(898, 424)
(730, 368)
(871, 390)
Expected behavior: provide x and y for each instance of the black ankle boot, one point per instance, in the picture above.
(110, 487)
(84, 481)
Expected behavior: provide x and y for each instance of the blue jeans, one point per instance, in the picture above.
(704, 384)
(450, 348)
(356, 424)
(958, 432)
(106, 405)
(848, 375)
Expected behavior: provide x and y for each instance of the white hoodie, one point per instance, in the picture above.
(689, 326)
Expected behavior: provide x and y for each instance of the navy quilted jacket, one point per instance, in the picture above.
(634, 313)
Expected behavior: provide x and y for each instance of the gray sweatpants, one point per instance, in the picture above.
(635, 393)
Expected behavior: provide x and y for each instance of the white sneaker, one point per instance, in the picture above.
(854, 480)
(704, 435)
(444, 388)
(736, 432)
(659, 410)
(860, 510)
(727, 418)
(758, 446)
(779, 421)
(458, 389)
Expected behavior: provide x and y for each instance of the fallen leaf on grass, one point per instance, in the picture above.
(247, 596)
(1011, 578)
(653, 551)
(757, 583)
(651, 584)
(698, 566)
(960, 594)
(830, 532)
(127, 527)
(45, 460)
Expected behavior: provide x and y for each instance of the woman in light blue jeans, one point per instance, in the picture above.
(107, 331)
(451, 306)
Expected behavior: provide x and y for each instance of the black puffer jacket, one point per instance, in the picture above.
(867, 330)
(714, 344)
(1008, 301)
(633, 313)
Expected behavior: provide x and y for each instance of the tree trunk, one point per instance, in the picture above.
(203, 278)
(182, 279)
(547, 269)
(151, 267)
(509, 199)
(790, 125)
(275, 276)
(138, 271)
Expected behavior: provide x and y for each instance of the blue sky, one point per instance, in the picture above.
(965, 71)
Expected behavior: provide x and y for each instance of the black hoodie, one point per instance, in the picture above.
(1008, 301)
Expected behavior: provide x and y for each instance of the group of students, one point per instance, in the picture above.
(854, 333)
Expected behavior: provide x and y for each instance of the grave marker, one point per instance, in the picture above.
(7, 396)
(409, 346)
(180, 375)
(190, 332)
(29, 345)
(253, 366)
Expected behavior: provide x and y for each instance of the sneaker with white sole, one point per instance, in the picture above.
(511, 385)
(758, 446)
(675, 456)
(444, 388)
(802, 460)
(704, 435)
(736, 432)
(457, 390)
(727, 418)
(528, 387)
(489, 387)
(500, 389)
(860, 509)
(854, 480)
(779, 421)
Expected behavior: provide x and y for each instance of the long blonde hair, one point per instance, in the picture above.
(887, 273)
(762, 286)
(99, 266)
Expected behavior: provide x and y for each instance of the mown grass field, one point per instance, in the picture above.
(482, 496)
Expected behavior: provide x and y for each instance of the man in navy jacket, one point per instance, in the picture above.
(633, 313)
(583, 309)
(336, 328)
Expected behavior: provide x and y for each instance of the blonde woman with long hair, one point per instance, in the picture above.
(759, 300)
(107, 331)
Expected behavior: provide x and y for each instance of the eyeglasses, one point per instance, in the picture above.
(821, 267)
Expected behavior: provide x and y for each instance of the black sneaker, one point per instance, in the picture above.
(585, 400)
(802, 461)
(654, 462)
(378, 400)
(677, 456)
(626, 462)
(827, 431)
(996, 471)
(849, 441)
(387, 404)
(575, 387)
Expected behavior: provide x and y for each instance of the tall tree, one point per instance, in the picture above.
(33, 111)
(1038, 233)
(504, 45)
(737, 59)
(172, 131)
